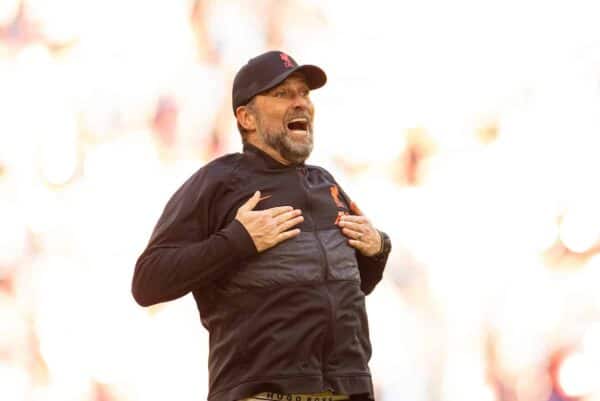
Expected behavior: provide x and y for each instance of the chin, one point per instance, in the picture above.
(297, 155)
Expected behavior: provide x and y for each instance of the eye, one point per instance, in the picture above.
(280, 93)
(304, 92)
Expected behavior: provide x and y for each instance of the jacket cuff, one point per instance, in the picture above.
(239, 239)
(371, 267)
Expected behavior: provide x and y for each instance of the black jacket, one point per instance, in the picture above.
(290, 319)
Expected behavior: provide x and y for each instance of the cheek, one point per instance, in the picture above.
(270, 126)
(275, 118)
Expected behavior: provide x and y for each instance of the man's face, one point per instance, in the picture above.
(284, 119)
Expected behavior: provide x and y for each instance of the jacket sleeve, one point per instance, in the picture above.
(183, 254)
(370, 267)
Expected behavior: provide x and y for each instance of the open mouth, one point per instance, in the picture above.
(298, 125)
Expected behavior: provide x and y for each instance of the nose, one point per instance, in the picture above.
(301, 102)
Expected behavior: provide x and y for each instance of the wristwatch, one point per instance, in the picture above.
(386, 246)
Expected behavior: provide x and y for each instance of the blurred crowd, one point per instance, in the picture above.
(470, 137)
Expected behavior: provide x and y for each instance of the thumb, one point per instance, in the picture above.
(251, 202)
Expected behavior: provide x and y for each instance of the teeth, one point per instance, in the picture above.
(303, 121)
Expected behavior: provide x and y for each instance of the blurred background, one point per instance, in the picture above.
(468, 130)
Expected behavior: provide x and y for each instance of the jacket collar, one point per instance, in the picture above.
(266, 159)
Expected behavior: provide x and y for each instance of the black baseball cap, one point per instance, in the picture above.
(268, 70)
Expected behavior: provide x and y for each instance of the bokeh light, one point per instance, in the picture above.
(466, 130)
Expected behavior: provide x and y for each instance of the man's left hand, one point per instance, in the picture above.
(361, 233)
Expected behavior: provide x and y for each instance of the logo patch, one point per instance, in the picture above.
(335, 194)
(287, 63)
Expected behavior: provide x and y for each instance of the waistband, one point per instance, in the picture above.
(326, 396)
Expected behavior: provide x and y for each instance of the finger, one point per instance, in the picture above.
(287, 235)
(286, 225)
(276, 211)
(251, 202)
(352, 234)
(356, 244)
(287, 215)
(355, 219)
(353, 226)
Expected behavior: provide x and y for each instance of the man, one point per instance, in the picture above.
(276, 255)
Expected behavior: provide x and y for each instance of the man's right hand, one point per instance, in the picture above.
(268, 227)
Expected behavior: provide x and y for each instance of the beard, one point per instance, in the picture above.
(279, 139)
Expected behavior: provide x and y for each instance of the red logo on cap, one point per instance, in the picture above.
(287, 63)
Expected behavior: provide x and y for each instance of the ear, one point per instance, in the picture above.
(246, 118)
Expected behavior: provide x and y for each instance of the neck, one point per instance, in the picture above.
(268, 150)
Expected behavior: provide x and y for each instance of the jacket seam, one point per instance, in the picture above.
(233, 172)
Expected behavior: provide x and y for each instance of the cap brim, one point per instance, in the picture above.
(315, 77)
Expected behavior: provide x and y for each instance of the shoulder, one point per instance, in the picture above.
(223, 166)
(213, 174)
(220, 168)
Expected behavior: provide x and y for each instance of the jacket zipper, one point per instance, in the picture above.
(302, 176)
(323, 253)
